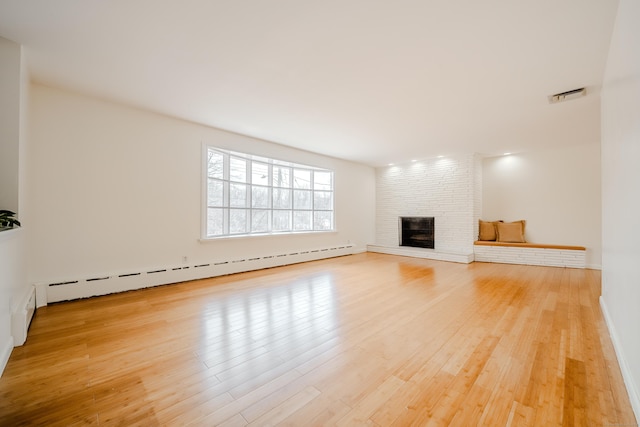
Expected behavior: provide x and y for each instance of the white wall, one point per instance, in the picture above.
(440, 187)
(11, 275)
(621, 194)
(115, 188)
(13, 282)
(10, 72)
(557, 191)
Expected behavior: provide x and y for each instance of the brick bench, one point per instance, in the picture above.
(530, 254)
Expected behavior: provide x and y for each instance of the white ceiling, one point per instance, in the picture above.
(373, 81)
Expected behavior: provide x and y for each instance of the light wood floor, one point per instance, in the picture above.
(368, 339)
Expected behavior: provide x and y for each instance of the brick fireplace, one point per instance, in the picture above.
(449, 189)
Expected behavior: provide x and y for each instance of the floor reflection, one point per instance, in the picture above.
(269, 324)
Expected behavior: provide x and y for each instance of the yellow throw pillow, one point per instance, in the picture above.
(487, 230)
(510, 232)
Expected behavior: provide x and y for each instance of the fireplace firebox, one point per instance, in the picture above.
(418, 232)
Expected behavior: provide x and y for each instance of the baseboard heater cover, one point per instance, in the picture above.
(21, 317)
(103, 284)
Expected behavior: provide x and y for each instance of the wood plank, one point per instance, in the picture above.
(368, 339)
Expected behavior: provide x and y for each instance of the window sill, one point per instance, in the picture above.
(263, 235)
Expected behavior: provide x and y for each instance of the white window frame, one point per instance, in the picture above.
(322, 218)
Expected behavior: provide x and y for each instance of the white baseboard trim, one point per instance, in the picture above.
(6, 353)
(103, 284)
(422, 253)
(632, 390)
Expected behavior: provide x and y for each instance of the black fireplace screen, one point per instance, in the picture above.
(417, 232)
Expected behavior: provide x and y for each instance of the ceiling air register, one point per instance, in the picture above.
(567, 96)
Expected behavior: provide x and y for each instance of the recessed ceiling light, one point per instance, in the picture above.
(506, 154)
(390, 164)
(413, 160)
(440, 157)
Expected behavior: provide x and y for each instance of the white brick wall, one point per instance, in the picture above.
(531, 256)
(445, 188)
(477, 202)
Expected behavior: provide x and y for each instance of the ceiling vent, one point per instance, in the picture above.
(567, 96)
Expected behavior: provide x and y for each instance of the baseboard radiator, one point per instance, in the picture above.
(103, 284)
(21, 317)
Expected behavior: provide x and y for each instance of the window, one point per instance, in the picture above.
(255, 195)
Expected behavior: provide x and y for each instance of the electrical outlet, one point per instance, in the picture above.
(184, 259)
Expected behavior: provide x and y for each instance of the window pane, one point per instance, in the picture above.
(237, 169)
(281, 220)
(237, 221)
(238, 195)
(301, 178)
(248, 194)
(259, 197)
(259, 220)
(302, 220)
(323, 220)
(322, 200)
(281, 198)
(215, 164)
(259, 173)
(215, 222)
(260, 159)
(301, 199)
(322, 180)
(215, 193)
(281, 176)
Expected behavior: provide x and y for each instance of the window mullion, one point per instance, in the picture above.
(291, 205)
(313, 199)
(227, 193)
(270, 197)
(248, 225)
